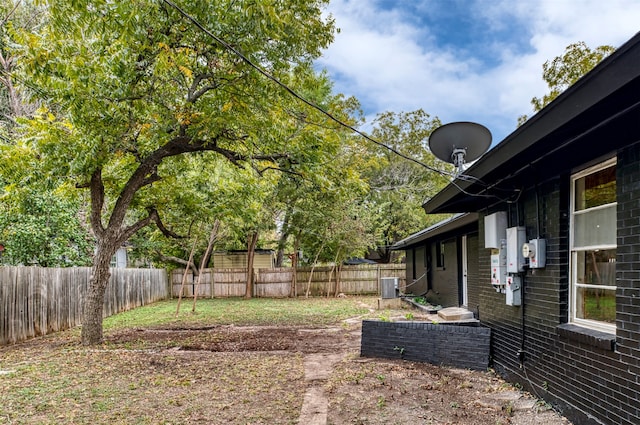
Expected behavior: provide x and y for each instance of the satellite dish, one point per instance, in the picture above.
(460, 142)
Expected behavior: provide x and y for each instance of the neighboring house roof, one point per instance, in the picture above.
(244, 251)
(454, 222)
(355, 261)
(594, 117)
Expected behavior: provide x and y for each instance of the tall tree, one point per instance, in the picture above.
(324, 172)
(41, 221)
(323, 205)
(398, 187)
(13, 14)
(564, 70)
(140, 85)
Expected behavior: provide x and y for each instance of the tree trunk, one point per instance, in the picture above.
(251, 248)
(205, 260)
(333, 269)
(294, 266)
(282, 242)
(338, 280)
(94, 302)
(14, 101)
(279, 258)
(184, 275)
(306, 295)
(385, 254)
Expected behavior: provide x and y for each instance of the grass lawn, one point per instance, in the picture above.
(238, 362)
(241, 312)
(141, 375)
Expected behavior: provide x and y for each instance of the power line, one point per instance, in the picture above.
(327, 113)
(294, 93)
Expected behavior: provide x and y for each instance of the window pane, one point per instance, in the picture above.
(440, 254)
(596, 304)
(596, 267)
(596, 189)
(596, 227)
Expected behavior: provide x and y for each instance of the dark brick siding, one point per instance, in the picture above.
(592, 377)
(445, 279)
(443, 282)
(459, 346)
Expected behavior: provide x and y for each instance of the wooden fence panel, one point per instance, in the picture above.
(176, 283)
(35, 300)
(228, 282)
(273, 282)
(317, 282)
(354, 280)
(204, 287)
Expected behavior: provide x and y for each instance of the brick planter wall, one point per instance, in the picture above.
(451, 345)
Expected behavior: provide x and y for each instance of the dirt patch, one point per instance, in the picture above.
(240, 339)
(375, 391)
(245, 375)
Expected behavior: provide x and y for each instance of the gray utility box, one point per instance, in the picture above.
(389, 287)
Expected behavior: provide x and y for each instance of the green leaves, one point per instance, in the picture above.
(42, 227)
(132, 77)
(565, 70)
(399, 187)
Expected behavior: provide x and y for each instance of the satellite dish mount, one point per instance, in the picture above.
(460, 142)
(457, 157)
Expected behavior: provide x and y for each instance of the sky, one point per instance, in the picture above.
(462, 60)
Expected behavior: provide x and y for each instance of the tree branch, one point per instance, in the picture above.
(198, 94)
(151, 179)
(6, 18)
(212, 238)
(156, 218)
(131, 230)
(177, 260)
(261, 171)
(194, 94)
(152, 217)
(146, 173)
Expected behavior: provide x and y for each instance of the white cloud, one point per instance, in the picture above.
(392, 63)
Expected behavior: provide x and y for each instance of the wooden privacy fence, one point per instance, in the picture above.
(36, 301)
(354, 280)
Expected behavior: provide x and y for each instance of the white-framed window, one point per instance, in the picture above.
(593, 247)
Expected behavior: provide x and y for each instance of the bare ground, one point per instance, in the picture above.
(245, 375)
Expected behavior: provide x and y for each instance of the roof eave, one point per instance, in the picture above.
(613, 73)
(444, 226)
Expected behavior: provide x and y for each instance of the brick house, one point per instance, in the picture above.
(568, 180)
(440, 260)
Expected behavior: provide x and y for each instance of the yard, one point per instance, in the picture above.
(244, 362)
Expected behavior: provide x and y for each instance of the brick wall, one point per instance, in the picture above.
(591, 377)
(628, 259)
(451, 345)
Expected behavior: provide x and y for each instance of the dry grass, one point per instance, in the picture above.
(236, 362)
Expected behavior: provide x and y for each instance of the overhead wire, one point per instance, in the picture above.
(331, 116)
(294, 93)
(328, 114)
